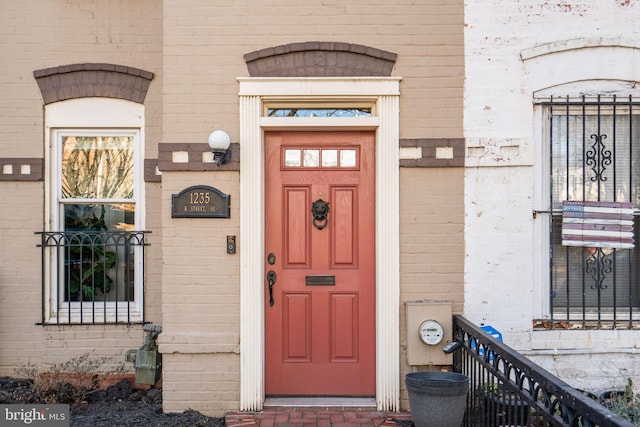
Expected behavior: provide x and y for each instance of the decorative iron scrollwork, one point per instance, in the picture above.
(598, 266)
(598, 157)
(320, 212)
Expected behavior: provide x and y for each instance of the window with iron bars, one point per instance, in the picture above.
(93, 258)
(97, 273)
(594, 161)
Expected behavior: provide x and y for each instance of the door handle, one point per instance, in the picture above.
(271, 279)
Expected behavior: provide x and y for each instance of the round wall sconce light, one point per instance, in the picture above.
(219, 143)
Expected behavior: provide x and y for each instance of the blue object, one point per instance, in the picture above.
(491, 331)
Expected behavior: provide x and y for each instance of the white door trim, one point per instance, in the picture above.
(384, 93)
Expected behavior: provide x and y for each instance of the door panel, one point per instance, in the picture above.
(344, 327)
(344, 233)
(297, 202)
(297, 327)
(320, 330)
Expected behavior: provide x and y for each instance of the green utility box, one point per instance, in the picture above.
(146, 360)
(148, 366)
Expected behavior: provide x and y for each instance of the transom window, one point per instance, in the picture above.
(319, 112)
(352, 108)
(594, 165)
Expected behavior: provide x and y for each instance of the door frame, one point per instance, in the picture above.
(384, 94)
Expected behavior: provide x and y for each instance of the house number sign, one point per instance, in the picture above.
(200, 201)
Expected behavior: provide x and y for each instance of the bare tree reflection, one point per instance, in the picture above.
(97, 167)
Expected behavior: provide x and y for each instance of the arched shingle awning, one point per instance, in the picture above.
(89, 80)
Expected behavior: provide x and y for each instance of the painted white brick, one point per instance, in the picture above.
(503, 69)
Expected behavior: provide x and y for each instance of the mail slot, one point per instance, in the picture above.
(321, 280)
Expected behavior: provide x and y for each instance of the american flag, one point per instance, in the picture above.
(597, 224)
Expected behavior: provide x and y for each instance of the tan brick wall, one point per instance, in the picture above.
(204, 47)
(431, 244)
(64, 343)
(205, 43)
(432, 234)
(23, 341)
(153, 254)
(43, 34)
(200, 291)
(208, 382)
(20, 340)
(200, 280)
(194, 91)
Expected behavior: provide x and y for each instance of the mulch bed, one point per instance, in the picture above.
(117, 405)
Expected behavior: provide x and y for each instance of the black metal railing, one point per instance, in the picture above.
(507, 389)
(92, 277)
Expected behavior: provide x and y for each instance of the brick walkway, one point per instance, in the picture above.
(318, 416)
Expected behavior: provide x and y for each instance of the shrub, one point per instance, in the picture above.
(67, 382)
(626, 404)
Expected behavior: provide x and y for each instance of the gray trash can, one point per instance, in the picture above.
(437, 399)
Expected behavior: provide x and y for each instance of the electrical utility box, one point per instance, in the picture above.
(429, 329)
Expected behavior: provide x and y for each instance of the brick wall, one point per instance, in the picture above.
(208, 382)
(431, 244)
(499, 126)
(195, 63)
(200, 288)
(39, 35)
(204, 50)
(205, 43)
(43, 34)
(200, 280)
(20, 274)
(431, 234)
(556, 43)
(190, 244)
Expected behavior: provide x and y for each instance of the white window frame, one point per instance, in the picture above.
(541, 307)
(91, 116)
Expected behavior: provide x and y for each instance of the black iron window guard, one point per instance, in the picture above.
(621, 314)
(593, 158)
(507, 389)
(92, 277)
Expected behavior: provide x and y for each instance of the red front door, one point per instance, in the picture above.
(320, 312)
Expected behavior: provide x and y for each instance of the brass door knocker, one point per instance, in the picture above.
(320, 211)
